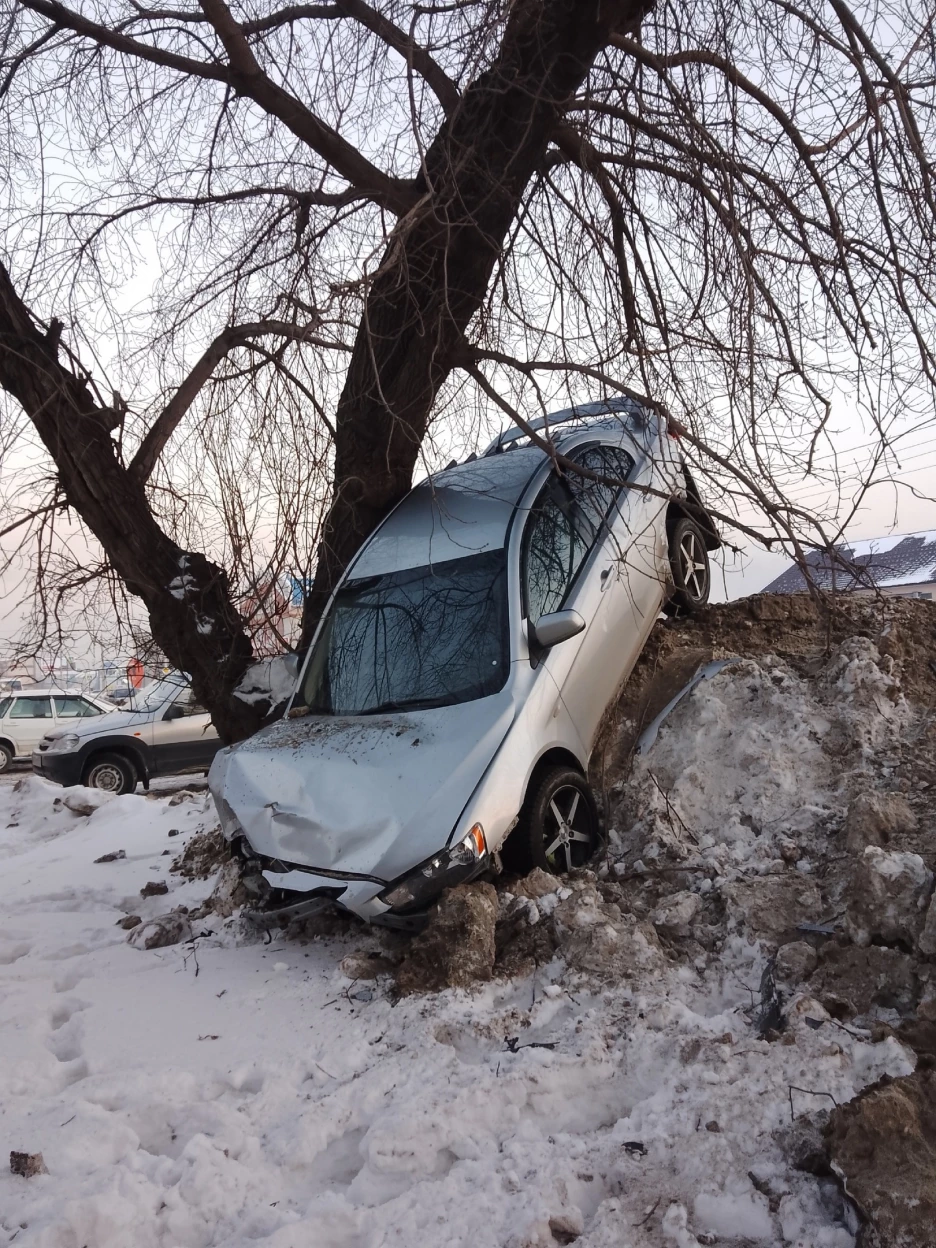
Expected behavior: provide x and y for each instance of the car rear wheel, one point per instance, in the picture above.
(6, 757)
(559, 827)
(111, 773)
(689, 563)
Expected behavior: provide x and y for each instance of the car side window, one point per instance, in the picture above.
(597, 498)
(186, 705)
(555, 546)
(564, 524)
(31, 708)
(74, 708)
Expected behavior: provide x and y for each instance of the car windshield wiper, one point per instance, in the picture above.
(406, 705)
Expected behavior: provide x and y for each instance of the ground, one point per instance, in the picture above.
(637, 1072)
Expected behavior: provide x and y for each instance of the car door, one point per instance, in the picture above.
(29, 719)
(184, 738)
(616, 586)
(557, 569)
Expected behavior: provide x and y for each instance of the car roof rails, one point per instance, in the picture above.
(608, 413)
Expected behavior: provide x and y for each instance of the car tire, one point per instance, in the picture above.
(559, 828)
(689, 565)
(112, 773)
(6, 757)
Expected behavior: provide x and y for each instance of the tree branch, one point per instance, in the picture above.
(245, 76)
(166, 423)
(413, 53)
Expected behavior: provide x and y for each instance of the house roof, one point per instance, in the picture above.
(881, 562)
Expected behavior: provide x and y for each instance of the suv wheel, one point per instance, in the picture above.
(559, 827)
(689, 562)
(110, 772)
(6, 757)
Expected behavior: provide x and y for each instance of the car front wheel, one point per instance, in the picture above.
(559, 827)
(111, 773)
(6, 757)
(689, 563)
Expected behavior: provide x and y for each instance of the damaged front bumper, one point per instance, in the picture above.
(298, 892)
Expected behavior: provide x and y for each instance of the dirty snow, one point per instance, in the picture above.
(226, 1092)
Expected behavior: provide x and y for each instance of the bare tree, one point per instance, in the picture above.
(363, 228)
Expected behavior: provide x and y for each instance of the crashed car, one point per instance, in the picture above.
(444, 717)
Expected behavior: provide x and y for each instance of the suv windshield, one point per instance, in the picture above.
(429, 636)
(154, 696)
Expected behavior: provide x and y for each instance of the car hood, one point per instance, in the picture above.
(110, 721)
(361, 795)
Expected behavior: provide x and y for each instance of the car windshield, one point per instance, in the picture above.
(154, 696)
(429, 636)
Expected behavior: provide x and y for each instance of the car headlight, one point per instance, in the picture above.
(453, 865)
(61, 743)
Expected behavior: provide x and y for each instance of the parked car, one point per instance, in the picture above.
(164, 731)
(121, 694)
(453, 692)
(26, 717)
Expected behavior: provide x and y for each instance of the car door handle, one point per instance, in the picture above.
(605, 574)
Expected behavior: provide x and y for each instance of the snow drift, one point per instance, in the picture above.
(650, 1056)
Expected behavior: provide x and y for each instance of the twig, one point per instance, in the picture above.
(807, 1092)
(644, 1221)
(671, 810)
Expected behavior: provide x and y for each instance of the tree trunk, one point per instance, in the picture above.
(437, 266)
(192, 617)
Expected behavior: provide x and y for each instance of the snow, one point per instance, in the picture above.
(742, 764)
(269, 680)
(226, 1092)
(881, 545)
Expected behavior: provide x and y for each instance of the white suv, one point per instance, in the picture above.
(161, 731)
(26, 717)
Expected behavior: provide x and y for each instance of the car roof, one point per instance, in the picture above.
(616, 415)
(45, 691)
(467, 508)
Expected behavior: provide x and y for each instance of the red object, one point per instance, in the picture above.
(135, 673)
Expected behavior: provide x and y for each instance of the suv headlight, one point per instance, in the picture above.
(61, 743)
(453, 865)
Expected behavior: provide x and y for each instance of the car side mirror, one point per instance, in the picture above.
(557, 626)
(175, 712)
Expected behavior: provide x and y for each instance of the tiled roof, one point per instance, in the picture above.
(905, 559)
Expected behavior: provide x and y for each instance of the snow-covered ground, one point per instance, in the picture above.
(230, 1092)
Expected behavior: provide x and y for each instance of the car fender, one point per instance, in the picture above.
(501, 791)
(116, 743)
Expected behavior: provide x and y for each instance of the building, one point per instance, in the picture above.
(902, 566)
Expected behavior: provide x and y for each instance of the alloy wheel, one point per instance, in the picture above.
(693, 565)
(569, 831)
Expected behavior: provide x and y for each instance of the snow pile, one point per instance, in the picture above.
(628, 1077)
(749, 767)
(269, 680)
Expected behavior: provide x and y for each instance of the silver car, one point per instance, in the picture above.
(445, 714)
(162, 730)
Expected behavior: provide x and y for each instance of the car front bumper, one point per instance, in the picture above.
(64, 769)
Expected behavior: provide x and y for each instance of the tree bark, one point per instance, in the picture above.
(438, 264)
(192, 617)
